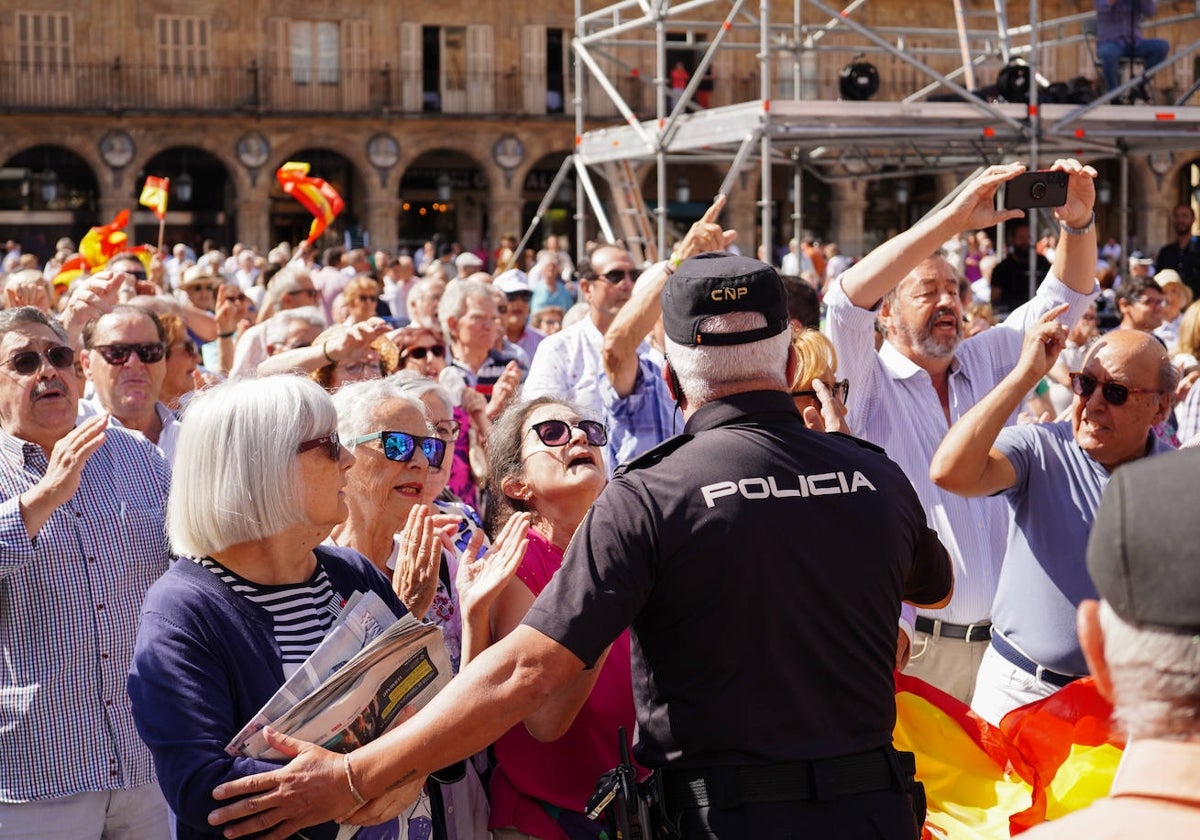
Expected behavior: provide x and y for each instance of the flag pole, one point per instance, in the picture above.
(162, 223)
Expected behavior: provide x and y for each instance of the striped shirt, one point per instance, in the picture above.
(302, 612)
(893, 404)
(69, 604)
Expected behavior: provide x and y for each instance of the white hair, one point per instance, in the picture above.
(1156, 678)
(358, 402)
(279, 324)
(455, 299)
(236, 476)
(413, 383)
(706, 372)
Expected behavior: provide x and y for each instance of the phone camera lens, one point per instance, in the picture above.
(1037, 190)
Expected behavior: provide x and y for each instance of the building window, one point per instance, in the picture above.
(314, 52)
(44, 40)
(182, 43)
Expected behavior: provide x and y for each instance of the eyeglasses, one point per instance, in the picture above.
(1153, 303)
(118, 354)
(201, 288)
(137, 275)
(558, 432)
(525, 296)
(438, 350)
(1087, 317)
(311, 293)
(401, 446)
(187, 346)
(30, 361)
(368, 298)
(618, 274)
(449, 429)
(331, 442)
(1113, 392)
(840, 389)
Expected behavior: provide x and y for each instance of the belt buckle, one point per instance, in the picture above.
(971, 631)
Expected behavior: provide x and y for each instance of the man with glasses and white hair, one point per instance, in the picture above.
(124, 358)
(1052, 476)
(82, 537)
(734, 552)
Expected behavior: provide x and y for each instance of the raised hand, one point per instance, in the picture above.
(481, 579)
(416, 574)
(706, 234)
(1081, 193)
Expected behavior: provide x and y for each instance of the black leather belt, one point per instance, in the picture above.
(797, 781)
(980, 632)
(1015, 657)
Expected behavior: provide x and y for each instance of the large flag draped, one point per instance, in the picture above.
(154, 195)
(985, 782)
(317, 196)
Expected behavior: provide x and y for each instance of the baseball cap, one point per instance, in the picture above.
(1167, 276)
(467, 260)
(717, 283)
(512, 282)
(1144, 550)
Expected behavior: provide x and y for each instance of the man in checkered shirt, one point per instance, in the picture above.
(81, 539)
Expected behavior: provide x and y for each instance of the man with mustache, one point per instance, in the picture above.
(82, 537)
(925, 376)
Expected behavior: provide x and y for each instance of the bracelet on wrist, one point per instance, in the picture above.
(1083, 231)
(350, 780)
(325, 351)
(229, 334)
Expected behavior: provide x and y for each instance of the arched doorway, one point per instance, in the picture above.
(200, 201)
(559, 218)
(443, 197)
(47, 192)
(290, 222)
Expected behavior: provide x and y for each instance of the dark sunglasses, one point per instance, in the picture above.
(618, 274)
(401, 446)
(30, 361)
(118, 354)
(438, 350)
(137, 275)
(558, 432)
(525, 296)
(368, 298)
(187, 346)
(331, 442)
(840, 389)
(201, 288)
(1113, 393)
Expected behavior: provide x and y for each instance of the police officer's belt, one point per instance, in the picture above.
(796, 781)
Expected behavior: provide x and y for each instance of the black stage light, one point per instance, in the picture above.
(858, 81)
(1013, 82)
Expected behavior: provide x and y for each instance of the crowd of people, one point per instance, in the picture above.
(631, 497)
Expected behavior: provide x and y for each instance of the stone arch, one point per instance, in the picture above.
(47, 192)
(201, 199)
(444, 195)
(290, 222)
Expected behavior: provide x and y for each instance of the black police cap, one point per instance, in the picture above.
(717, 283)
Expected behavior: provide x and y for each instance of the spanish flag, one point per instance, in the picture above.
(317, 196)
(102, 243)
(984, 782)
(154, 195)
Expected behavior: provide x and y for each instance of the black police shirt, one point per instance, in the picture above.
(761, 567)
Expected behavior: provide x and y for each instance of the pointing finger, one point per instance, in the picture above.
(714, 209)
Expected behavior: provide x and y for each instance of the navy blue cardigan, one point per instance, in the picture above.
(205, 662)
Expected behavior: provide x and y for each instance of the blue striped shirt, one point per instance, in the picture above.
(893, 404)
(69, 604)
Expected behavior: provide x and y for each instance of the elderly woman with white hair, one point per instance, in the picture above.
(259, 482)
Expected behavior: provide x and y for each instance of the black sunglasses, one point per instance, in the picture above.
(401, 446)
(840, 389)
(558, 432)
(331, 442)
(438, 350)
(118, 354)
(618, 274)
(30, 361)
(1113, 393)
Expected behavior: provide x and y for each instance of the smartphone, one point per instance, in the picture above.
(1043, 188)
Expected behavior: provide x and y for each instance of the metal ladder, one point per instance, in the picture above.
(632, 215)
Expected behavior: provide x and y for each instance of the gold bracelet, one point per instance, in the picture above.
(350, 781)
(325, 350)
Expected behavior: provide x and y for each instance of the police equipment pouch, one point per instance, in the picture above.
(906, 772)
(632, 811)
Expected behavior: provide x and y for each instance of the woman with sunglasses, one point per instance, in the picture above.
(547, 461)
(359, 300)
(258, 483)
(816, 368)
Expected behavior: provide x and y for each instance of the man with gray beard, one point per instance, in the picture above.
(925, 376)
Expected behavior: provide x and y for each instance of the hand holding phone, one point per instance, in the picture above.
(1042, 188)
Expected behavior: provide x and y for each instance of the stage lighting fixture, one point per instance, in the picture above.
(858, 81)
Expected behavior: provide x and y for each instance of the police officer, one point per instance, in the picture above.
(761, 566)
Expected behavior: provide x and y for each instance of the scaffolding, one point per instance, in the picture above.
(788, 123)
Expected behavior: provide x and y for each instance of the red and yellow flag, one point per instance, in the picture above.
(154, 195)
(985, 782)
(317, 196)
(102, 243)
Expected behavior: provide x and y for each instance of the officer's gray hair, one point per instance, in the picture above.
(278, 325)
(1155, 676)
(708, 372)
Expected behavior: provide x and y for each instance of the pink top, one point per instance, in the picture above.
(564, 772)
